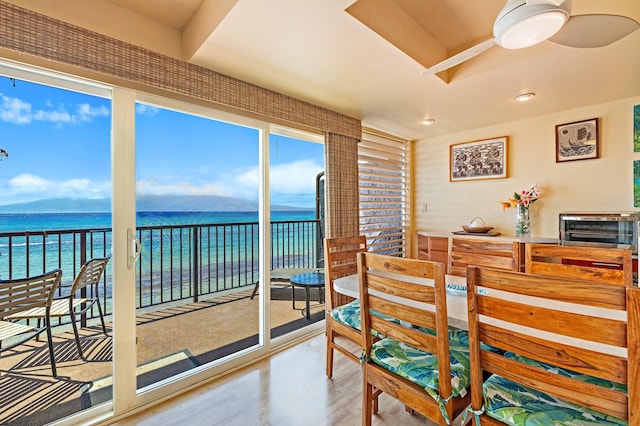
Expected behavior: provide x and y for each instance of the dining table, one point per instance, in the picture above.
(457, 311)
(456, 289)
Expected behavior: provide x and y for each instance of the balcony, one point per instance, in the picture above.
(193, 288)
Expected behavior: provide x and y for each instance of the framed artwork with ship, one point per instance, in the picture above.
(577, 141)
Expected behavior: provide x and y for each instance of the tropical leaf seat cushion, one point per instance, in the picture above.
(421, 367)
(518, 405)
(349, 314)
(459, 339)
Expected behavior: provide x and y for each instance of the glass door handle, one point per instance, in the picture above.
(133, 248)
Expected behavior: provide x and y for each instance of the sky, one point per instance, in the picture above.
(58, 145)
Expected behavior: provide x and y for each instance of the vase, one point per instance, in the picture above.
(523, 223)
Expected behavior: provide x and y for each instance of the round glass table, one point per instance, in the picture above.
(307, 281)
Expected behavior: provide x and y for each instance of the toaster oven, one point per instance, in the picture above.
(616, 230)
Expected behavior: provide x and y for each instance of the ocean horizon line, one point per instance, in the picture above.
(38, 221)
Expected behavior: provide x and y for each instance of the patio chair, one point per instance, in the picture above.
(74, 304)
(611, 265)
(416, 362)
(22, 295)
(342, 312)
(568, 349)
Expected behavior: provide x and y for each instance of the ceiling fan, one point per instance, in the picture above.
(523, 23)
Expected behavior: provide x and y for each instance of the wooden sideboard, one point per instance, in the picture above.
(434, 246)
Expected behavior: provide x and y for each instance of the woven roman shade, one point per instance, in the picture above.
(35, 37)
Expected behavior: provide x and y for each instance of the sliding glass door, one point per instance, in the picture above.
(180, 198)
(197, 223)
(55, 213)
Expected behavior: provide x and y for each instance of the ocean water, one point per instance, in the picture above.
(19, 222)
(226, 248)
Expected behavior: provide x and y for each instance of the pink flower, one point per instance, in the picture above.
(525, 197)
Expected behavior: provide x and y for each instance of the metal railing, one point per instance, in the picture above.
(177, 262)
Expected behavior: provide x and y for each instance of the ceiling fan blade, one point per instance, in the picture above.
(588, 31)
(459, 58)
(555, 3)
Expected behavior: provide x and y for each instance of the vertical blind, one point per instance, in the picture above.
(383, 170)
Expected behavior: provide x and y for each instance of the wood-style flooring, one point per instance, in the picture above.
(289, 388)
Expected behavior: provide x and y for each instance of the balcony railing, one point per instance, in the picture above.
(177, 262)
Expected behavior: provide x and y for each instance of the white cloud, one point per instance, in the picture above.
(298, 177)
(147, 187)
(291, 184)
(17, 111)
(13, 110)
(290, 181)
(86, 112)
(147, 110)
(27, 187)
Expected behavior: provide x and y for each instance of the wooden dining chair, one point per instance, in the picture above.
(570, 357)
(486, 252)
(342, 312)
(415, 362)
(74, 304)
(22, 295)
(610, 265)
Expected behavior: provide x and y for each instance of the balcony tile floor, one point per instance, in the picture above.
(170, 340)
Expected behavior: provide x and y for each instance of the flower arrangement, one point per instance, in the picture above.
(524, 198)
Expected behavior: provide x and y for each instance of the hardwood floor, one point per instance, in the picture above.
(290, 388)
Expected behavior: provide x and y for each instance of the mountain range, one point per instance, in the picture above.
(144, 203)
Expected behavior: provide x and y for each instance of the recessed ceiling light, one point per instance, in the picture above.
(428, 121)
(524, 97)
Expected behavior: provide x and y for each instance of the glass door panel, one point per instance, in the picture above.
(296, 170)
(197, 186)
(55, 213)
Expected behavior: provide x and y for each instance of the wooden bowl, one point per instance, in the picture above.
(477, 229)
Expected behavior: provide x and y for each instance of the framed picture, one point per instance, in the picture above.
(577, 141)
(636, 128)
(483, 159)
(636, 183)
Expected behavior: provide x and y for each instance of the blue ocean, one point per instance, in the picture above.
(182, 253)
(18, 222)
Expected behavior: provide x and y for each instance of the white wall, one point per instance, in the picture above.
(602, 184)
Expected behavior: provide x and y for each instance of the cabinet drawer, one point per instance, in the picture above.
(438, 256)
(438, 244)
(423, 243)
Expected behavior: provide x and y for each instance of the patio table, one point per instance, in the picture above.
(307, 281)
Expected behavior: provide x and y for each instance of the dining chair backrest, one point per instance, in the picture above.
(405, 301)
(484, 252)
(342, 318)
(610, 265)
(556, 336)
(340, 260)
(24, 294)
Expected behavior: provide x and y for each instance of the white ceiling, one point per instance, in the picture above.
(314, 50)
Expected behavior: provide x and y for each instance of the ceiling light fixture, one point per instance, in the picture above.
(521, 25)
(523, 97)
(428, 121)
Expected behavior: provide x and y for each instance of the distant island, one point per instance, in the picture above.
(144, 203)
